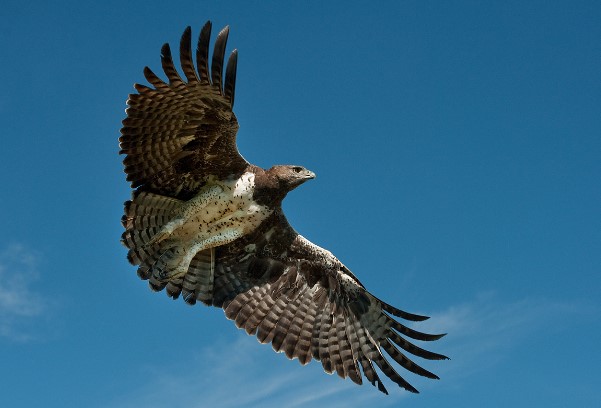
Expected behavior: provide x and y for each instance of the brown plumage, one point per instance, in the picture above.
(205, 224)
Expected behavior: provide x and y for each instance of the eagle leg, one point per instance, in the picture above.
(174, 262)
(185, 212)
(167, 266)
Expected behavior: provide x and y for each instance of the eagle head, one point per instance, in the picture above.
(290, 177)
(272, 185)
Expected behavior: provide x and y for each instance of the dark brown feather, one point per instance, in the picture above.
(217, 62)
(175, 80)
(202, 53)
(185, 57)
(230, 78)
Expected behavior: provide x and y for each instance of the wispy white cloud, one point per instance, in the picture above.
(244, 373)
(20, 305)
(483, 331)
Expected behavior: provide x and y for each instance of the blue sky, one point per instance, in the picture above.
(458, 153)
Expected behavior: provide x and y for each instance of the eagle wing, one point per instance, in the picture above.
(291, 293)
(179, 133)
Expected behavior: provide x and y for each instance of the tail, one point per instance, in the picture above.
(144, 217)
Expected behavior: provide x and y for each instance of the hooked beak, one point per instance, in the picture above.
(305, 176)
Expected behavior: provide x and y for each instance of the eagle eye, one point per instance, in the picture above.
(297, 169)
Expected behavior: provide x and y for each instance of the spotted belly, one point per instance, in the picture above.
(219, 213)
(223, 220)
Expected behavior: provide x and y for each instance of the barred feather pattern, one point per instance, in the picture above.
(180, 132)
(197, 283)
(317, 320)
(144, 216)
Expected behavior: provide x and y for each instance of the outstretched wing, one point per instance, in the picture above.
(179, 133)
(277, 285)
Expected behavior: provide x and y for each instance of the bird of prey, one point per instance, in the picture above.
(206, 225)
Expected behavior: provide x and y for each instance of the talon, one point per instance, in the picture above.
(172, 264)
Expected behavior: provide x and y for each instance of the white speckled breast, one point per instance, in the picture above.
(222, 208)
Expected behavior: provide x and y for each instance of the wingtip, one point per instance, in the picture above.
(410, 388)
(225, 30)
(186, 35)
(165, 50)
(433, 337)
(402, 314)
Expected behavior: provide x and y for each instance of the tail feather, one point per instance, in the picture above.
(198, 282)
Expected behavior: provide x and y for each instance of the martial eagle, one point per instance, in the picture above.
(205, 224)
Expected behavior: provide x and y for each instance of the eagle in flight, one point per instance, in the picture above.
(206, 225)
